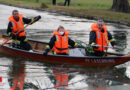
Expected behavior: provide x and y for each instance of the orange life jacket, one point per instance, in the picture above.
(17, 25)
(17, 84)
(61, 44)
(18, 79)
(61, 78)
(101, 38)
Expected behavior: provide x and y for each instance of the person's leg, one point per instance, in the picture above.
(15, 43)
(54, 2)
(65, 2)
(24, 44)
(98, 53)
(68, 2)
(12, 44)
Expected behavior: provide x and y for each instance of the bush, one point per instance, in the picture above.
(43, 5)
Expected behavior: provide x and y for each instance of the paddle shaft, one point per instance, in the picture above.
(108, 46)
(102, 46)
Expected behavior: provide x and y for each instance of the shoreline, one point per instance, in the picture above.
(71, 14)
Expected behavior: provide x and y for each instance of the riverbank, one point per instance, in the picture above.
(75, 11)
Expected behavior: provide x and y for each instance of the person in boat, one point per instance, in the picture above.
(59, 42)
(99, 38)
(16, 30)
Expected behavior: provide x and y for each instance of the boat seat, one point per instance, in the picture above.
(40, 46)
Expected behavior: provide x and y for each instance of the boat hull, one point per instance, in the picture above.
(86, 61)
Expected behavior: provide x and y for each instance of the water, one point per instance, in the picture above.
(42, 76)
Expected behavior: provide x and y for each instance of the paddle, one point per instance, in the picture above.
(21, 30)
(102, 46)
(117, 47)
(83, 45)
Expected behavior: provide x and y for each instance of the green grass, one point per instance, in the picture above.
(95, 8)
(77, 4)
(20, 3)
(91, 4)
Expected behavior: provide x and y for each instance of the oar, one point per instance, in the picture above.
(102, 46)
(83, 45)
(117, 47)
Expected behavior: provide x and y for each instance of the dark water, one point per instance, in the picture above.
(43, 76)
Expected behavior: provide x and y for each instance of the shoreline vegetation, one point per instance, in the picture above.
(89, 9)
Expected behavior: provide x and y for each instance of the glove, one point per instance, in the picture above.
(37, 18)
(94, 45)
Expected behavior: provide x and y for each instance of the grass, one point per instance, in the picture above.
(91, 4)
(95, 8)
(104, 14)
(20, 3)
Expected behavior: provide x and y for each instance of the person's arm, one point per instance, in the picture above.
(52, 42)
(9, 31)
(9, 28)
(33, 20)
(50, 45)
(111, 39)
(26, 20)
(92, 38)
(72, 43)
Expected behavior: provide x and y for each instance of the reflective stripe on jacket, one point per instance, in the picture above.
(61, 43)
(101, 37)
(17, 26)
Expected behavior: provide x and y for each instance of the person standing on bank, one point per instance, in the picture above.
(16, 30)
(100, 36)
(59, 42)
(67, 1)
(54, 2)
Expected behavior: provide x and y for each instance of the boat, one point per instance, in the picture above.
(112, 59)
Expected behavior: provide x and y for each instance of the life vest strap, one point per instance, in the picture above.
(61, 48)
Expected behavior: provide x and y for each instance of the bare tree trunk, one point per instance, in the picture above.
(120, 5)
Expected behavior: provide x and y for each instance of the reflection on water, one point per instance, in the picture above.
(17, 75)
(37, 76)
(121, 40)
(40, 76)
